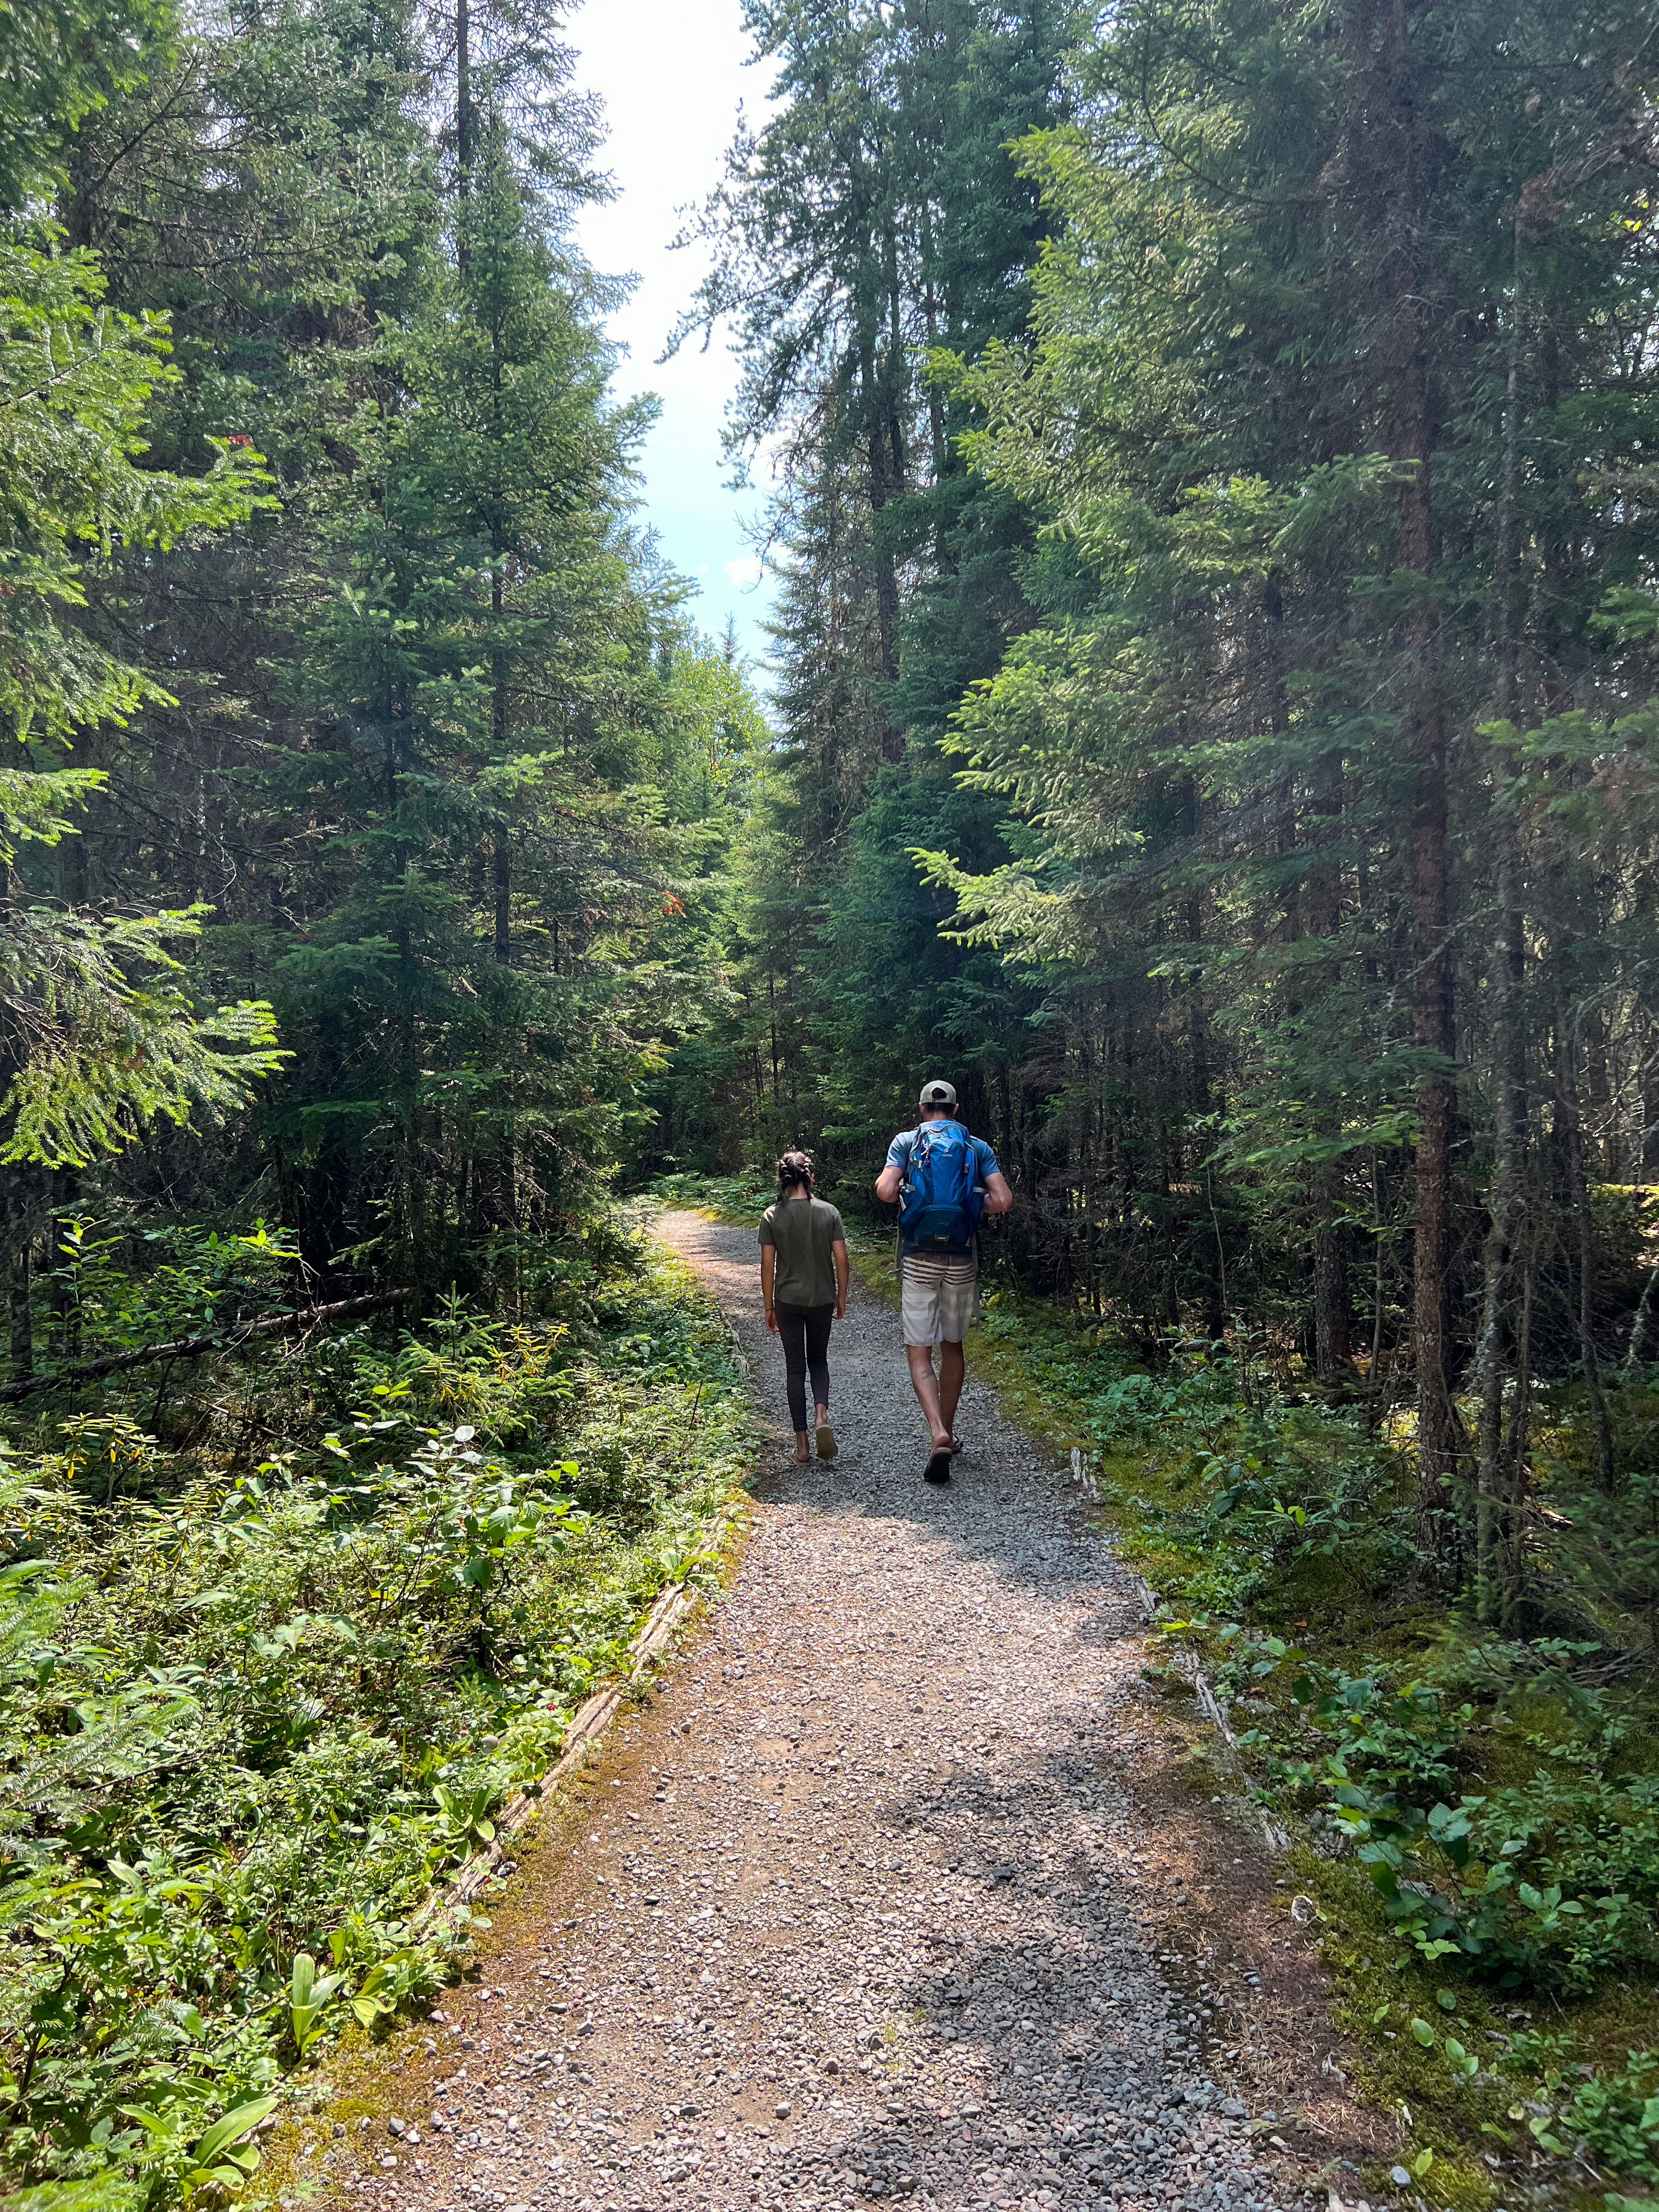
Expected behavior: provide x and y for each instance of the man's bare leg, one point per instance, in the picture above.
(953, 1367)
(926, 1384)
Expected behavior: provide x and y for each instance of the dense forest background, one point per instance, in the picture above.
(332, 629)
(1212, 455)
(1212, 470)
(1217, 702)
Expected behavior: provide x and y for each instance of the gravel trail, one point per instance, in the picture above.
(862, 1919)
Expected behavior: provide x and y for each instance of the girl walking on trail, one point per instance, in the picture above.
(803, 1275)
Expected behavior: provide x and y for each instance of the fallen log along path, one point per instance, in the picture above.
(856, 1910)
(587, 1726)
(296, 1323)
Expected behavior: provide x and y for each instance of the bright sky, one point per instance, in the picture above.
(672, 75)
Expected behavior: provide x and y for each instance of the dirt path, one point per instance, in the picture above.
(857, 1910)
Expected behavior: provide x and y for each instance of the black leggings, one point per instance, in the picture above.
(806, 1334)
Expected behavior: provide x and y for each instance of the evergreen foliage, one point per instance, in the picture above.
(901, 568)
(1292, 822)
(1323, 594)
(364, 838)
(323, 580)
(1214, 721)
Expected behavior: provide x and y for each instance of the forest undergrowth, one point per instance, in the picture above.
(1473, 1808)
(263, 1684)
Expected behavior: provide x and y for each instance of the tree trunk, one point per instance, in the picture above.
(1439, 1437)
(1332, 1329)
(1438, 1433)
(883, 455)
(500, 715)
(878, 453)
(500, 869)
(1332, 1341)
(1644, 1321)
(1379, 1255)
(1515, 1449)
(1567, 1054)
(1497, 1505)
(938, 440)
(464, 91)
(19, 1230)
(1499, 1481)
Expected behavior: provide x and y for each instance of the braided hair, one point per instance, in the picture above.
(795, 1173)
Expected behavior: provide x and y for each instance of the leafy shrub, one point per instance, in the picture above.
(1611, 2120)
(743, 1196)
(247, 1720)
(1543, 1883)
(1607, 1549)
(1325, 1496)
(182, 1279)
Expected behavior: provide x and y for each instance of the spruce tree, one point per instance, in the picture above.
(1286, 324)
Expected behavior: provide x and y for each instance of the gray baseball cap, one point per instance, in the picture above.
(938, 1093)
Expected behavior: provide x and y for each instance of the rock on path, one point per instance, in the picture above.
(864, 1921)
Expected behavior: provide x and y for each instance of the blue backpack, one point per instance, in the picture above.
(941, 1195)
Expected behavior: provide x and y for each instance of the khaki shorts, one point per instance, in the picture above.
(938, 1306)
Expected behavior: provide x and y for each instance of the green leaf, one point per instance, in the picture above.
(1423, 2032)
(302, 1979)
(235, 2123)
(109, 2192)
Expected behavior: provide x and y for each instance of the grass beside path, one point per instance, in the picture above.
(1474, 1813)
(257, 1698)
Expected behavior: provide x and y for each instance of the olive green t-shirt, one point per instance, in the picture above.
(801, 1231)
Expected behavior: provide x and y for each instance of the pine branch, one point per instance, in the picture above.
(186, 1347)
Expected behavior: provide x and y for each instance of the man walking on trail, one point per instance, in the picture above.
(945, 1179)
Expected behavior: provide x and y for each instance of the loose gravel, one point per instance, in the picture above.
(866, 1921)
